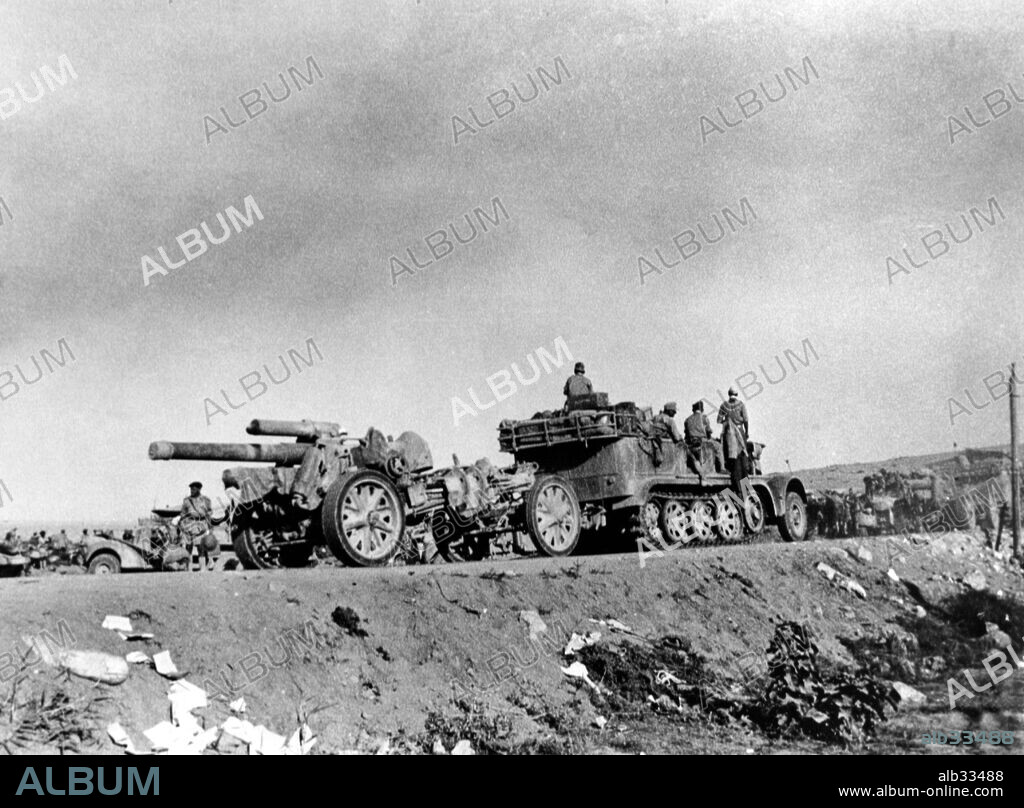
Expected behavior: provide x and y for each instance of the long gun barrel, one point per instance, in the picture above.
(284, 454)
(308, 430)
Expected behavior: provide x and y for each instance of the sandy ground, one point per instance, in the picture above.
(403, 657)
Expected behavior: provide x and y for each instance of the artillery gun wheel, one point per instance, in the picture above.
(728, 521)
(753, 513)
(702, 521)
(553, 517)
(255, 550)
(363, 519)
(675, 522)
(793, 524)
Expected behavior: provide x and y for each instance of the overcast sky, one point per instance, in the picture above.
(598, 170)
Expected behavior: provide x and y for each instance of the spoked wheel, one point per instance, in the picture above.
(363, 519)
(793, 524)
(702, 521)
(674, 522)
(753, 513)
(256, 550)
(728, 521)
(553, 516)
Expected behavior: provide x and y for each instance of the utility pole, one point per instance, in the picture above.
(1014, 475)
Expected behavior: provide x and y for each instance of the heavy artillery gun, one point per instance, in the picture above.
(368, 499)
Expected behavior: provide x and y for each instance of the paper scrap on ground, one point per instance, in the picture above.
(267, 742)
(301, 741)
(577, 670)
(533, 620)
(237, 728)
(578, 642)
(238, 705)
(186, 695)
(120, 737)
(136, 657)
(164, 665)
(132, 636)
(117, 623)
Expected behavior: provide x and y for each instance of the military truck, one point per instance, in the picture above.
(371, 500)
(605, 467)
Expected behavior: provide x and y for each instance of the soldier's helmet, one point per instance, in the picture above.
(670, 408)
(732, 392)
(579, 368)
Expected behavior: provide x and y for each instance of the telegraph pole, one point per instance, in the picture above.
(1014, 476)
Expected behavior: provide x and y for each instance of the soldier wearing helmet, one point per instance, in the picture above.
(733, 417)
(577, 384)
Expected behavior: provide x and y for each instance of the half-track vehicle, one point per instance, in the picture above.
(370, 500)
(604, 466)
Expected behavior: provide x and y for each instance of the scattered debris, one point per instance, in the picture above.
(463, 747)
(534, 621)
(165, 667)
(580, 641)
(614, 624)
(497, 575)
(893, 576)
(347, 619)
(97, 666)
(826, 570)
(577, 670)
(117, 623)
(120, 738)
(438, 747)
(909, 695)
(852, 586)
(600, 722)
(137, 658)
(135, 636)
(975, 580)
(238, 705)
(862, 554)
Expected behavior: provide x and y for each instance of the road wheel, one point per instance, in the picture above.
(105, 564)
(753, 513)
(553, 517)
(702, 521)
(793, 524)
(363, 519)
(674, 522)
(728, 520)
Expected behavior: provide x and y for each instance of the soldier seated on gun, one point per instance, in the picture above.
(576, 385)
(697, 430)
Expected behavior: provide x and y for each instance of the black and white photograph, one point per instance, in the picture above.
(527, 377)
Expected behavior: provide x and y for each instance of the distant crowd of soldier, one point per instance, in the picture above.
(705, 454)
(193, 533)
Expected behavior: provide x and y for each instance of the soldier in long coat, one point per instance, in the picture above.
(735, 425)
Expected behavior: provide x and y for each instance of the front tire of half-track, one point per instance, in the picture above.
(553, 517)
(793, 524)
(363, 519)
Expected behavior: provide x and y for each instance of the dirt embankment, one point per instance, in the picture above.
(408, 657)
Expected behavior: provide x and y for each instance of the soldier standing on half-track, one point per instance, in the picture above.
(697, 430)
(735, 428)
